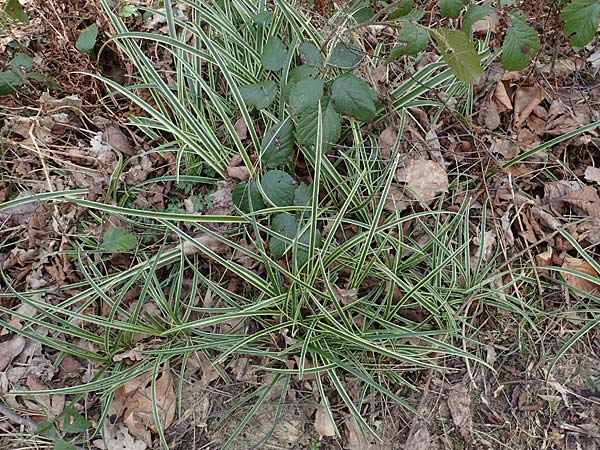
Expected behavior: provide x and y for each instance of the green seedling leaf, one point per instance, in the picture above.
(47, 429)
(263, 18)
(413, 40)
(344, 57)
(118, 240)
(363, 14)
(274, 54)
(21, 62)
(87, 39)
(61, 444)
(312, 55)
(286, 225)
(451, 8)
(14, 10)
(279, 187)
(247, 198)
(305, 94)
(460, 55)
(306, 129)
(475, 13)
(404, 7)
(50, 83)
(260, 95)
(9, 81)
(277, 145)
(581, 19)
(74, 422)
(521, 43)
(352, 97)
(302, 195)
(129, 11)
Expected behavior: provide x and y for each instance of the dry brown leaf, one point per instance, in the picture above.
(396, 200)
(355, 439)
(10, 350)
(119, 440)
(526, 99)
(419, 439)
(586, 199)
(501, 98)
(346, 296)
(459, 403)
(504, 147)
(323, 424)
(241, 128)
(387, 140)
(580, 265)
(131, 354)
(557, 189)
(489, 116)
(592, 174)
(204, 241)
(424, 179)
(113, 136)
(544, 259)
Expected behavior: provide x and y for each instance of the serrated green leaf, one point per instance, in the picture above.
(451, 8)
(9, 81)
(312, 55)
(352, 97)
(581, 19)
(247, 198)
(87, 39)
(306, 129)
(61, 444)
(302, 195)
(118, 240)
(14, 10)
(305, 93)
(413, 40)
(521, 43)
(74, 422)
(475, 13)
(286, 225)
(21, 62)
(274, 54)
(302, 72)
(344, 57)
(263, 18)
(277, 145)
(279, 187)
(404, 7)
(260, 95)
(363, 14)
(414, 16)
(460, 55)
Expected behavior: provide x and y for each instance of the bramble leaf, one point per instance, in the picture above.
(279, 187)
(460, 55)
(352, 97)
(521, 43)
(286, 225)
(260, 95)
(118, 240)
(305, 94)
(581, 22)
(87, 39)
(451, 8)
(413, 40)
(344, 57)
(311, 54)
(277, 144)
(475, 13)
(274, 54)
(247, 198)
(14, 10)
(306, 129)
(9, 81)
(404, 7)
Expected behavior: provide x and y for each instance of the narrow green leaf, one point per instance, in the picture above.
(312, 55)
(451, 8)
(87, 39)
(521, 43)
(352, 97)
(404, 7)
(260, 95)
(460, 55)
(305, 93)
(9, 81)
(475, 13)
(274, 54)
(279, 187)
(247, 198)
(14, 10)
(286, 225)
(581, 19)
(117, 240)
(263, 18)
(344, 57)
(413, 40)
(278, 144)
(306, 129)
(74, 422)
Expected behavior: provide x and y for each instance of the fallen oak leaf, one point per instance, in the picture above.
(577, 282)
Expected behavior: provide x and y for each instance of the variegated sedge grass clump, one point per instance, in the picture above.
(232, 61)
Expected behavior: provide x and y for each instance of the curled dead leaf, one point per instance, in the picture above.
(580, 265)
(10, 350)
(592, 174)
(424, 179)
(323, 423)
(586, 199)
(544, 259)
(526, 100)
(459, 403)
